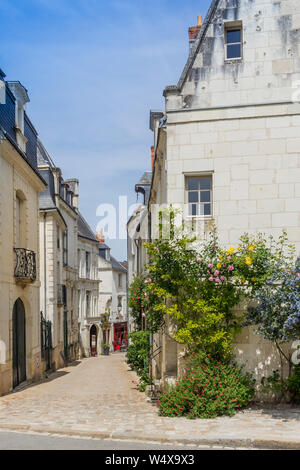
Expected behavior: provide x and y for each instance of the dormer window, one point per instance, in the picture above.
(233, 41)
(21, 97)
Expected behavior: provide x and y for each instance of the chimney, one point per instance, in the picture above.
(194, 31)
(73, 184)
(152, 157)
(100, 237)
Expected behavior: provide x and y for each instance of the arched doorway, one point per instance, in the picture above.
(93, 340)
(19, 343)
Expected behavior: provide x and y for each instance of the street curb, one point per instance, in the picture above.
(266, 444)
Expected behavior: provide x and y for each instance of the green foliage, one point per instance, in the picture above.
(293, 383)
(138, 350)
(209, 389)
(287, 390)
(274, 384)
(137, 356)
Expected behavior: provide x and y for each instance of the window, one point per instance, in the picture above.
(120, 280)
(65, 248)
(88, 304)
(233, 42)
(87, 264)
(20, 220)
(199, 195)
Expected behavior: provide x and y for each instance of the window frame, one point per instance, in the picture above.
(233, 26)
(186, 197)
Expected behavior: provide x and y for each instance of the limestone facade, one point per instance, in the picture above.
(236, 122)
(88, 288)
(20, 185)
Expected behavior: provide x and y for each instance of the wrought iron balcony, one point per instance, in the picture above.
(61, 294)
(25, 268)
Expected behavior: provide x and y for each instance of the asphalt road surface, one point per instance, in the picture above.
(22, 441)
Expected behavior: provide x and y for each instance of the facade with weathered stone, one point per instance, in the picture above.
(112, 298)
(20, 185)
(227, 148)
(88, 290)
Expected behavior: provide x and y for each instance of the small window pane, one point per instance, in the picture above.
(205, 183)
(193, 196)
(207, 210)
(193, 183)
(192, 209)
(233, 51)
(233, 36)
(205, 196)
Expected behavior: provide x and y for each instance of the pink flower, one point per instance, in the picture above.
(229, 258)
(298, 274)
(199, 260)
(216, 273)
(230, 267)
(211, 278)
(217, 279)
(143, 315)
(210, 266)
(223, 278)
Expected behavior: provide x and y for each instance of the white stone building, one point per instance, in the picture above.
(20, 185)
(59, 266)
(113, 297)
(227, 147)
(137, 234)
(88, 289)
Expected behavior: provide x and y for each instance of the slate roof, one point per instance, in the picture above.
(116, 265)
(43, 156)
(144, 185)
(47, 198)
(84, 230)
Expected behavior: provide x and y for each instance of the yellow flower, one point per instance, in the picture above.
(230, 251)
(219, 265)
(243, 281)
(248, 260)
(239, 248)
(253, 279)
(251, 247)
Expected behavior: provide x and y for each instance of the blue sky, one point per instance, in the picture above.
(93, 70)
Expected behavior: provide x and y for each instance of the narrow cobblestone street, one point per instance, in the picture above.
(98, 397)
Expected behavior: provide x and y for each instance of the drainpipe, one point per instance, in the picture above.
(45, 270)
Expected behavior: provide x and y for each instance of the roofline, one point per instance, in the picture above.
(194, 50)
(23, 155)
(90, 239)
(54, 209)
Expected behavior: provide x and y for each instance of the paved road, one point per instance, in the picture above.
(98, 397)
(21, 441)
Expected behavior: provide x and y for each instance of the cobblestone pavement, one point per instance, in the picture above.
(98, 397)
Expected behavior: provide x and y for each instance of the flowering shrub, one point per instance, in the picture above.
(198, 283)
(277, 313)
(209, 389)
(143, 300)
(138, 354)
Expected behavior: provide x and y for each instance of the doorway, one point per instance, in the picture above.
(93, 340)
(19, 343)
(120, 336)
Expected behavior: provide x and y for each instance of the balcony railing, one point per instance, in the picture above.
(61, 294)
(25, 268)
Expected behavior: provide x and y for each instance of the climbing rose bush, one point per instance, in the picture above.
(209, 389)
(197, 284)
